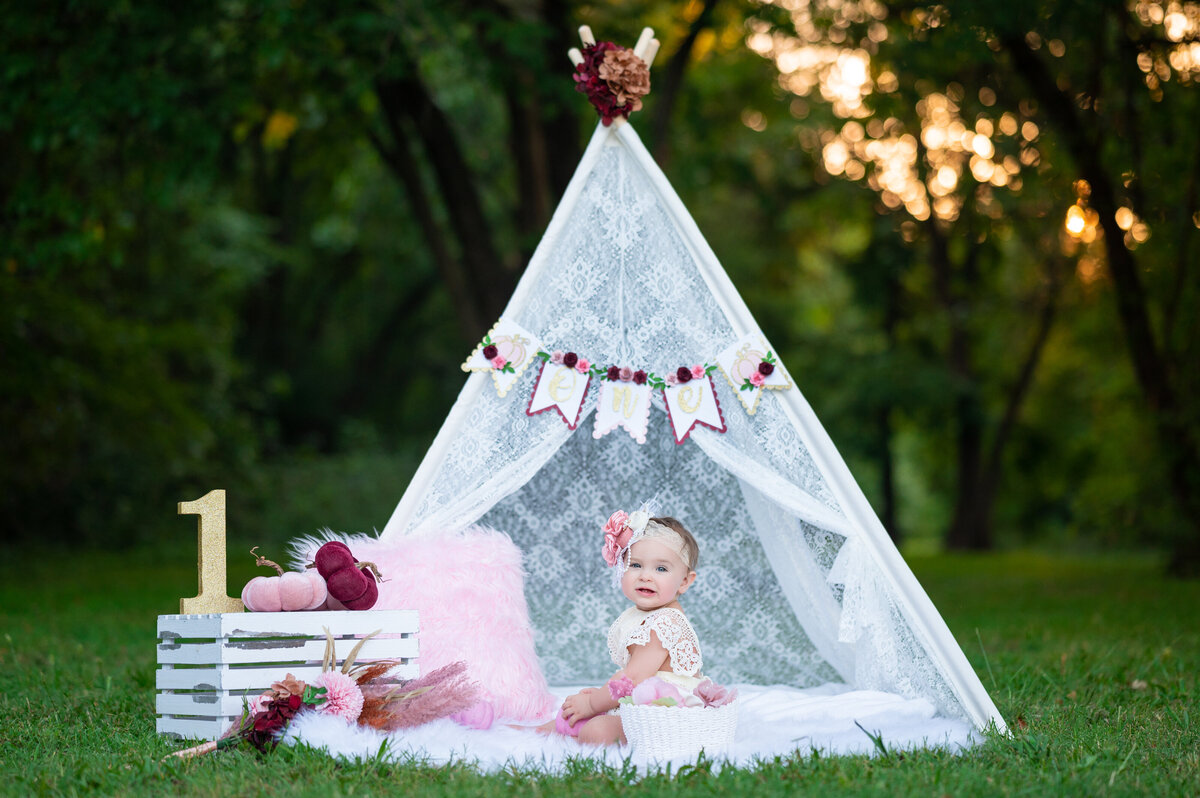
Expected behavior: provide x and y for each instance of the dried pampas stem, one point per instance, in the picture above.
(329, 662)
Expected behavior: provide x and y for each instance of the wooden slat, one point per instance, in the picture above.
(289, 650)
(191, 728)
(222, 678)
(238, 624)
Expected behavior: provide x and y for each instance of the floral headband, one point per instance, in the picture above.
(622, 530)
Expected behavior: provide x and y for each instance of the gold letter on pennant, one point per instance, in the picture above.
(623, 395)
(685, 399)
(558, 392)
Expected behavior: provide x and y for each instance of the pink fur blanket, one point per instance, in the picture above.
(469, 589)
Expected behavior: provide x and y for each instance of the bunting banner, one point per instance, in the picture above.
(562, 388)
(623, 404)
(506, 351)
(690, 403)
(624, 397)
(751, 368)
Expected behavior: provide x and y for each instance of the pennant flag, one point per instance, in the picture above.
(623, 404)
(505, 351)
(691, 403)
(562, 388)
(751, 367)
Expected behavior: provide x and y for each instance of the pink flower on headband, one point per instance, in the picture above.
(616, 536)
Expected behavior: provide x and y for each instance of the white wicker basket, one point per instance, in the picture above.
(678, 732)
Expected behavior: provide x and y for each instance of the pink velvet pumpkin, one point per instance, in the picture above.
(287, 592)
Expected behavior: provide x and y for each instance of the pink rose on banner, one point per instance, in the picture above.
(616, 536)
(499, 362)
(757, 379)
(556, 357)
(656, 691)
(697, 372)
(582, 365)
(626, 374)
(672, 379)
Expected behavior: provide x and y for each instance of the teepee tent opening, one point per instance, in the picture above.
(799, 583)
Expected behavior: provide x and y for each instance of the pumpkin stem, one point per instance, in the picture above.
(263, 562)
(373, 568)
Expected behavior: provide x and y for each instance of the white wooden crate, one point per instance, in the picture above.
(208, 665)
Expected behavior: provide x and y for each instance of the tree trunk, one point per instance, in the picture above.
(1176, 432)
(489, 283)
(667, 90)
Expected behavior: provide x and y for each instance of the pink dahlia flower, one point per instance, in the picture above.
(499, 362)
(697, 372)
(342, 695)
(582, 365)
(757, 379)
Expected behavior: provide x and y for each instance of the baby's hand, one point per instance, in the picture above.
(578, 707)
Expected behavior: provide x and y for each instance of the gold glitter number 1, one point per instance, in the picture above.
(211, 562)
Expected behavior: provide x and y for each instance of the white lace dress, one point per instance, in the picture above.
(633, 628)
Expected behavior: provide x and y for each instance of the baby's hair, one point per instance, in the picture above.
(690, 547)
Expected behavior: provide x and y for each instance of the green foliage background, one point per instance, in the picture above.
(211, 276)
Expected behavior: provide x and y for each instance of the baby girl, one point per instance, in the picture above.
(654, 560)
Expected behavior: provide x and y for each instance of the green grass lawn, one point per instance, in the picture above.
(1092, 660)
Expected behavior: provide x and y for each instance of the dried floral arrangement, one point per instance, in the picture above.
(359, 694)
(614, 79)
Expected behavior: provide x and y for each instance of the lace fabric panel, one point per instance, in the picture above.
(677, 636)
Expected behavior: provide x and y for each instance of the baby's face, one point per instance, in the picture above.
(655, 576)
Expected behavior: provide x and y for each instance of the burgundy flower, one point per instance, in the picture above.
(639, 377)
(570, 359)
(683, 374)
(614, 373)
(765, 368)
(626, 79)
(490, 351)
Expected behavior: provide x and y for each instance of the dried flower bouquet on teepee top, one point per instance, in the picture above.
(614, 78)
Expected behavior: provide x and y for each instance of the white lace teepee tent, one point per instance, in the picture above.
(799, 583)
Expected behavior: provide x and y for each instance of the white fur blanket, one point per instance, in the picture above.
(772, 721)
